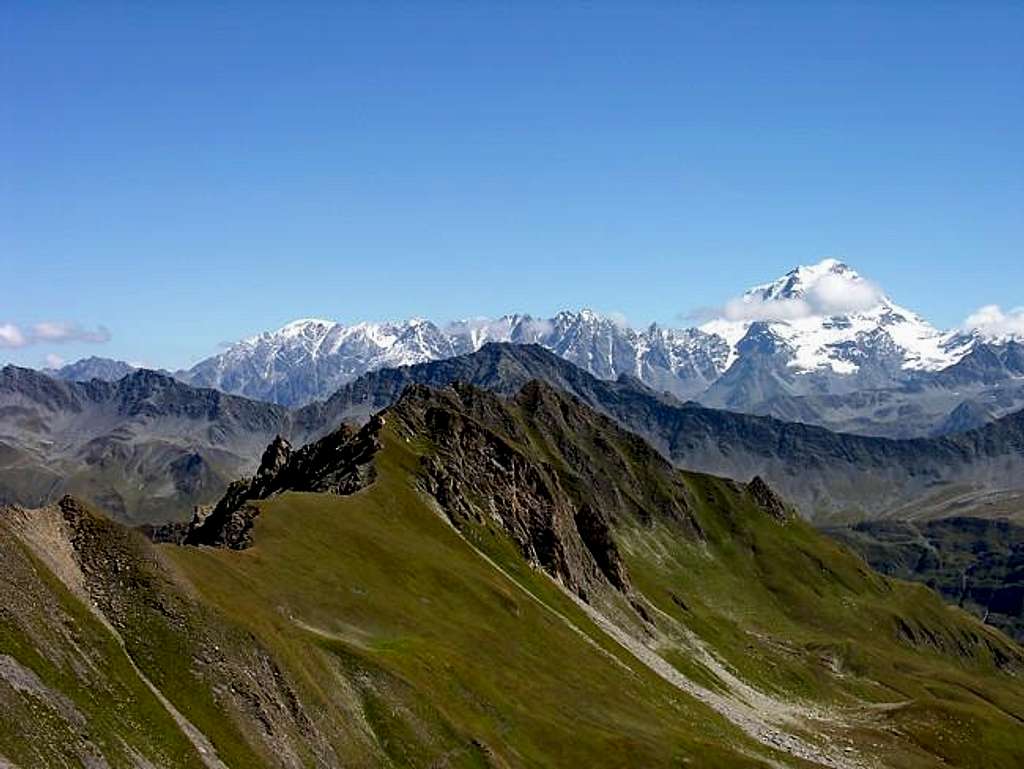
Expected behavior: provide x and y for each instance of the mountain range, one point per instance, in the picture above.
(147, 447)
(820, 345)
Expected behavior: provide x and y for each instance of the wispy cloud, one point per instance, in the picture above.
(11, 336)
(58, 331)
(618, 318)
(51, 332)
(992, 321)
(52, 360)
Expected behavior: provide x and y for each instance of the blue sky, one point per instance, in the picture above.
(191, 174)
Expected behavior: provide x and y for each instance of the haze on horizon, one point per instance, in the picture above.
(176, 177)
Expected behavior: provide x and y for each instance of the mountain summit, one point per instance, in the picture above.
(831, 319)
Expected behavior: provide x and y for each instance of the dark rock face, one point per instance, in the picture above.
(274, 458)
(554, 474)
(767, 499)
(477, 475)
(340, 463)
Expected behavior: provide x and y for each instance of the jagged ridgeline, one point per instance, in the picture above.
(471, 580)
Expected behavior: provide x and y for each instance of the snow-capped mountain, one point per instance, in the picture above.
(823, 329)
(309, 359)
(820, 330)
(830, 318)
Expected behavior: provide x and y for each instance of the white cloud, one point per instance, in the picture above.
(53, 361)
(993, 322)
(618, 318)
(11, 336)
(59, 332)
(830, 294)
(835, 294)
(757, 308)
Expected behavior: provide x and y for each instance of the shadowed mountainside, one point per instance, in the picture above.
(824, 473)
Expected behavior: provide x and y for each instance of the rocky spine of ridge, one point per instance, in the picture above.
(547, 470)
(818, 471)
(340, 463)
(550, 472)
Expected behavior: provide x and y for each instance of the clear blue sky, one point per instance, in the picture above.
(187, 173)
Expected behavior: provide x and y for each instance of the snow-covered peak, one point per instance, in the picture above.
(802, 281)
(833, 319)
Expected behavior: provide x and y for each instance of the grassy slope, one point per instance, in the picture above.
(912, 679)
(379, 582)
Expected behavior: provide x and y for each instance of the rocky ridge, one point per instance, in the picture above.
(340, 463)
(821, 472)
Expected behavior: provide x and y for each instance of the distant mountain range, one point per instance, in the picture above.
(309, 359)
(145, 448)
(148, 446)
(93, 367)
(819, 345)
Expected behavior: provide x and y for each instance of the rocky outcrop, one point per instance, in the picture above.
(340, 463)
(767, 499)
